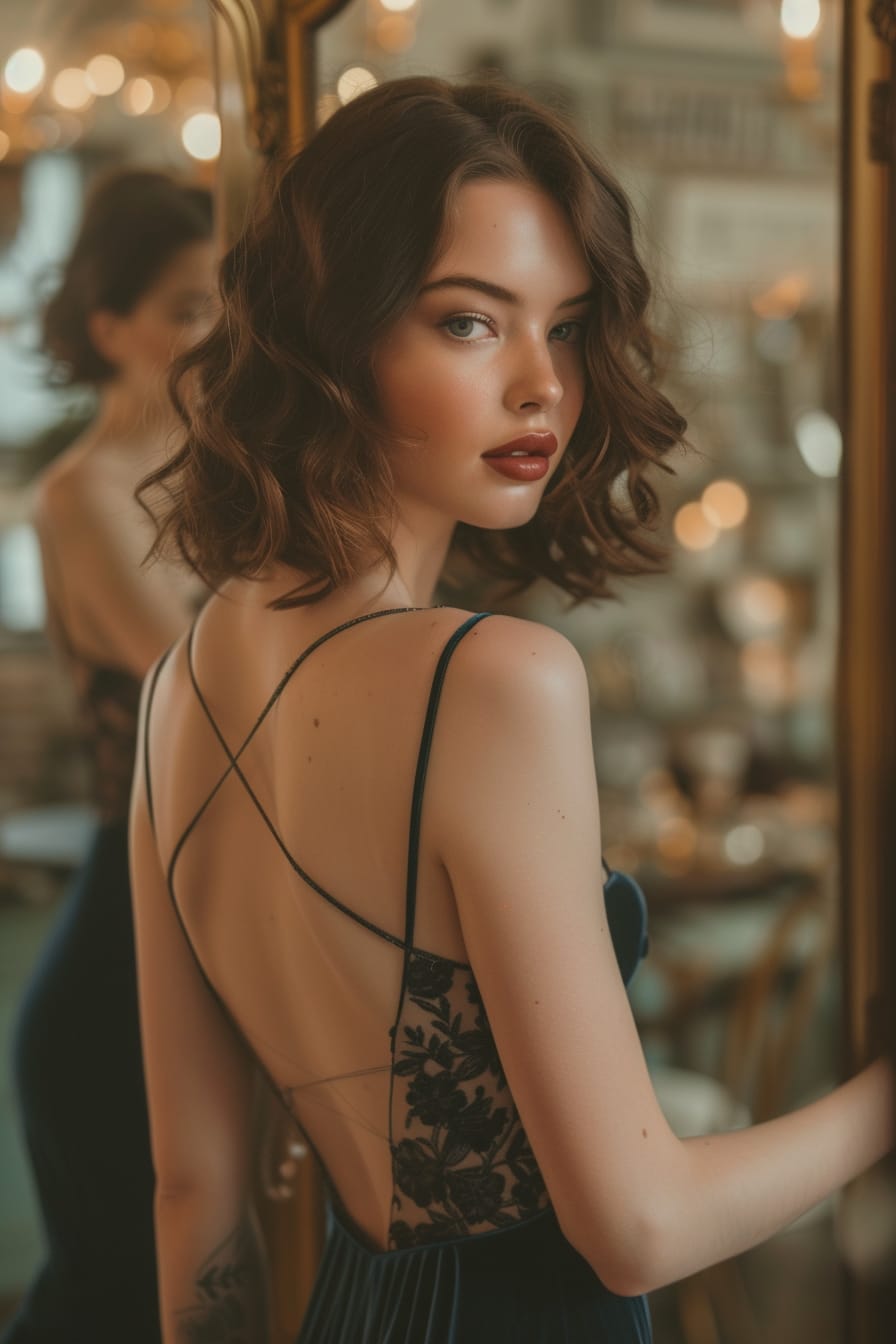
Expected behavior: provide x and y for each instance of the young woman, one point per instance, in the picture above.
(366, 847)
(137, 286)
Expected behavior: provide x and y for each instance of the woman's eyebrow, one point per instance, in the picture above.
(494, 291)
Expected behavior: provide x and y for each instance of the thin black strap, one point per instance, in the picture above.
(233, 757)
(149, 699)
(235, 768)
(420, 776)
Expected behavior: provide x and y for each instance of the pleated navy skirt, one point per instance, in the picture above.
(79, 1075)
(519, 1285)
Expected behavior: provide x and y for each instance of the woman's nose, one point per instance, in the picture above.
(534, 380)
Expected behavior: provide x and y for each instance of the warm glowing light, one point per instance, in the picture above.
(161, 93)
(197, 93)
(784, 298)
(71, 89)
(201, 135)
(356, 79)
(105, 75)
(765, 602)
(398, 6)
(4, 144)
(676, 839)
(744, 844)
(693, 529)
(820, 442)
(395, 33)
(800, 18)
(24, 71)
(768, 673)
(137, 97)
(725, 504)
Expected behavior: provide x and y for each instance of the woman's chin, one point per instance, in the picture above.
(503, 517)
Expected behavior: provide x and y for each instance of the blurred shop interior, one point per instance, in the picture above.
(712, 683)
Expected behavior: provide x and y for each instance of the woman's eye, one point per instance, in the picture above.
(574, 330)
(463, 325)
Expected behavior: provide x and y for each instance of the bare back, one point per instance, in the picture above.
(288, 819)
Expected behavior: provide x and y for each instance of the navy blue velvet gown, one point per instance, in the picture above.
(473, 1251)
(79, 1075)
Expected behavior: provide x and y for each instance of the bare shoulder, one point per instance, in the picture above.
(67, 490)
(510, 662)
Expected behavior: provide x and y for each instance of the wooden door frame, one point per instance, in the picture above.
(866, 721)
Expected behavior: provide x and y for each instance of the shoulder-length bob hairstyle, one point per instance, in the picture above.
(286, 457)
(134, 224)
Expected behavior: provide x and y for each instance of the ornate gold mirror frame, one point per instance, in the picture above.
(265, 76)
(266, 79)
(867, 686)
(265, 62)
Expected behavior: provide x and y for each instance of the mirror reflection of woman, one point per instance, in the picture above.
(366, 845)
(135, 289)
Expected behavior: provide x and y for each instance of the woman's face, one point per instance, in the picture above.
(172, 315)
(491, 350)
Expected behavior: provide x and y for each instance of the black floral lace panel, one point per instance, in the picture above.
(461, 1161)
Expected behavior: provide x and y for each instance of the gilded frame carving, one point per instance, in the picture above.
(265, 68)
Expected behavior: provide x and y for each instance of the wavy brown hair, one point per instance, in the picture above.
(286, 456)
(135, 222)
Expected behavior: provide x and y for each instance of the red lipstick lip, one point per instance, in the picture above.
(536, 445)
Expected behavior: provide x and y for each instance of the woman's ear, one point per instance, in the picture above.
(106, 331)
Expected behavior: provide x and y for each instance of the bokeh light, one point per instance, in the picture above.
(820, 442)
(725, 504)
(800, 18)
(137, 97)
(744, 844)
(71, 90)
(25, 70)
(395, 32)
(398, 6)
(161, 93)
(693, 529)
(353, 81)
(105, 74)
(768, 673)
(201, 136)
(676, 840)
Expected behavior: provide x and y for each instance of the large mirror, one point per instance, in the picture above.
(731, 736)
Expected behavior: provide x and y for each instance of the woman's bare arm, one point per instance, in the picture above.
(513, 798)
(200, 1079)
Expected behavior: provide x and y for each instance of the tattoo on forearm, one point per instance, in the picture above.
(232, 1295)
